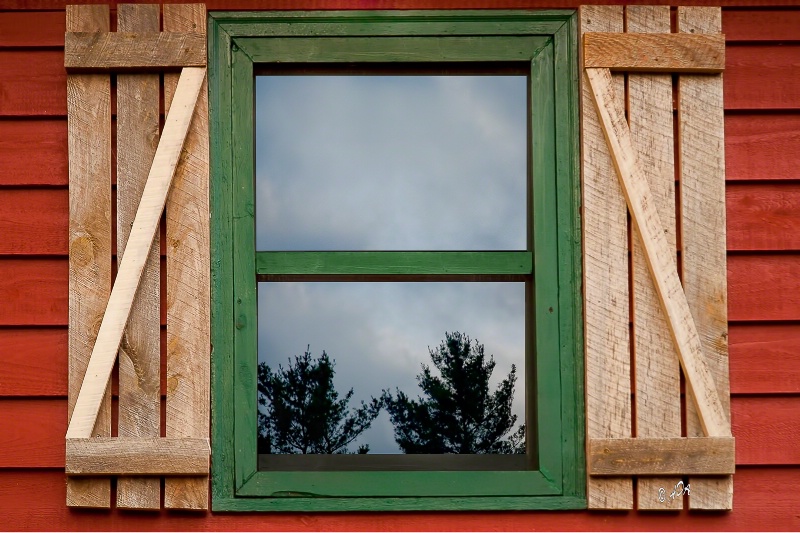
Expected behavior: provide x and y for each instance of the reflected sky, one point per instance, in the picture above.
(379, 333)
(390, 163)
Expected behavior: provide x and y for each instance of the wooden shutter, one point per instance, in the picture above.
(155, 167)
(654, 258)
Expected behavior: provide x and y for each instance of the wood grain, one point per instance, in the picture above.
(662, 52)
(605, 268)
(306, 5)
(758, 25)
(702, 177)
(139, 354)
(656, 367)
(765, 427)
(34, 360)
(763, 216)
(188, 280)
(34, 222)
(758, 76)
(31, 30)
(767, 499)
(659, 256)
(757, 351)
(133, 50)
(762, 146)
(25, 141)
(762, 76)
(89, 125)
(34, 292)
(33, 83)
(764, 287)
(144, 228)
(643, 456)
(145, 456)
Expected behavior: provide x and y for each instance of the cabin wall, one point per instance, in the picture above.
(762, 123)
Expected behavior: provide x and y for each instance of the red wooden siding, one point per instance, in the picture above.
(762, 146)
(766, 430)
(766, 499)
(762, 91)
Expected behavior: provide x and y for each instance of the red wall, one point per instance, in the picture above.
(762, 100)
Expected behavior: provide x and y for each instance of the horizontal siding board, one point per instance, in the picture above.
(762, 146)
(762, 77)
(763, 216)
(35, 359)
(741, 25)
(34, 222)
(34, 362)
(766, 499)
(33, 433)
(764, 358)
(32, 30)
(34, 292)
(766, 430)
(33, 152)
(48, 5)
(757, 76)
(33, 83)
(763, 287)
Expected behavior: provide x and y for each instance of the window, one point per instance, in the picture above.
(541, 47)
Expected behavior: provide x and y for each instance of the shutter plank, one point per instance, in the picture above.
(188, 281)
(656, 367)
(605, 268)
(702, 178)
(89, 145)
(139, 353)
(144, 228)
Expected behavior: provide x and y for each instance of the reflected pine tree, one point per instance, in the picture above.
(458, 413)
(302, 411)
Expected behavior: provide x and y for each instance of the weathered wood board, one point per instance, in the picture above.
(139, 354)
(89, 139)
(605, 269)
(188, 280)
(702, 178)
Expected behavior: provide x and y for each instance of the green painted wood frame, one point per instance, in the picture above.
(545, 42)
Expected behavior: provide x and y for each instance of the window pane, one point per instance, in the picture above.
(379, 335)
(391, 162)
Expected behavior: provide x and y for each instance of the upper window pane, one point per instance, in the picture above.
(412, 162)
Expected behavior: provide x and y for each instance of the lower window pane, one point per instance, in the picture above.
(317, 342)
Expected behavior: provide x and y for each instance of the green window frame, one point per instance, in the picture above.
(545, 44)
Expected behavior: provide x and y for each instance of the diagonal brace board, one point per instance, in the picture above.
(145, 225)
(658, 256)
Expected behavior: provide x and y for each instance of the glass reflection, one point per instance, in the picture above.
(391, 162)
(377, 340)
